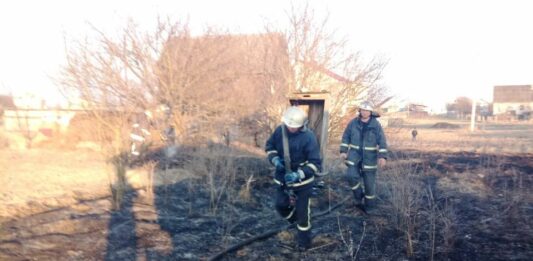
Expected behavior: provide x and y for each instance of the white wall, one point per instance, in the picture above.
(501, 108)
(32, 120)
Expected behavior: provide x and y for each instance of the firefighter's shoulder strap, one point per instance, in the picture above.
(286, 153)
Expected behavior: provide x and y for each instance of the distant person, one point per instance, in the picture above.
(296, 167)
(157, 119)
(414, 132)
(140, 133)
(363, 149)
(167, 130)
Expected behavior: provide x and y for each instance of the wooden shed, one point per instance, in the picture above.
(317, 106)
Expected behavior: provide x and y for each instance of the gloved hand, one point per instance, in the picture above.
(294, 177)
(278, 164)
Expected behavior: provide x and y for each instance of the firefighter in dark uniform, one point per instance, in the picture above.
(295, 183)
(363, 149)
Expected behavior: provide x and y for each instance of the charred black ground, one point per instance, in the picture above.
(460, 206)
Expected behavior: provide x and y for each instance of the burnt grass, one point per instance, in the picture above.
(462, 206)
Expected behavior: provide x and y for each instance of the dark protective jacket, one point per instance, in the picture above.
(365, 147)
(304, 154)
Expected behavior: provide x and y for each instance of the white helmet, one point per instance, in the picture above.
(294, 117)
(367, 106)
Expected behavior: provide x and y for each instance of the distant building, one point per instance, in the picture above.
(417, 110)
(392, 108)
(6, 103)
(35, 119)
(516, 100)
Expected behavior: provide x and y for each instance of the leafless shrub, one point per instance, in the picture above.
(245, 193)
(150, 168)
(448, 220)
(509, 185)
(119, 186)
(425, 223)
(515, 198)
(218, 169)
(348, 240)
(404, 189)
(442, 224)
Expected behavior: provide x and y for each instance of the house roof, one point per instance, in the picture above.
(228, 69)
(417, 107)
(513, 93)
(315, 66)
(247, 55)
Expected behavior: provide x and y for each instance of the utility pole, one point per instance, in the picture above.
(473, 116)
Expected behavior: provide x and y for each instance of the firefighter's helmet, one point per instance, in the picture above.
(366, 105)
(294, 117)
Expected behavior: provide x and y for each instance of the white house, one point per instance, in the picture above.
(513, 99)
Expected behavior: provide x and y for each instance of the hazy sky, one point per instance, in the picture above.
(437, 50)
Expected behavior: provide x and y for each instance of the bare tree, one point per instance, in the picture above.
(266, 78)
(246, 76)
(210, 82)
(462, 106)
(321, 61)
(119, 77)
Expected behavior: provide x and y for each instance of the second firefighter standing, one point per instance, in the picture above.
(364, 149)
(294, 183)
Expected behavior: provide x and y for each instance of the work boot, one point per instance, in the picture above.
(370, 205)
(358, 198)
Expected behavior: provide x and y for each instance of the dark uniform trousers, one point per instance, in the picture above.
(304, 156)
(366, 188)
(300, 213)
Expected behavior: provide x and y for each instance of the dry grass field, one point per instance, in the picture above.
(449, 195)
(493, 137)
(39, 179)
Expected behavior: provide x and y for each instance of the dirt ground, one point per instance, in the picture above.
(40, 179)
(434, 203)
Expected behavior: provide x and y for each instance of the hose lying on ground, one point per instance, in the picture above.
(272, 232)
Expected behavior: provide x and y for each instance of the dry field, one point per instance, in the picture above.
(449, 195)
(494, 137)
